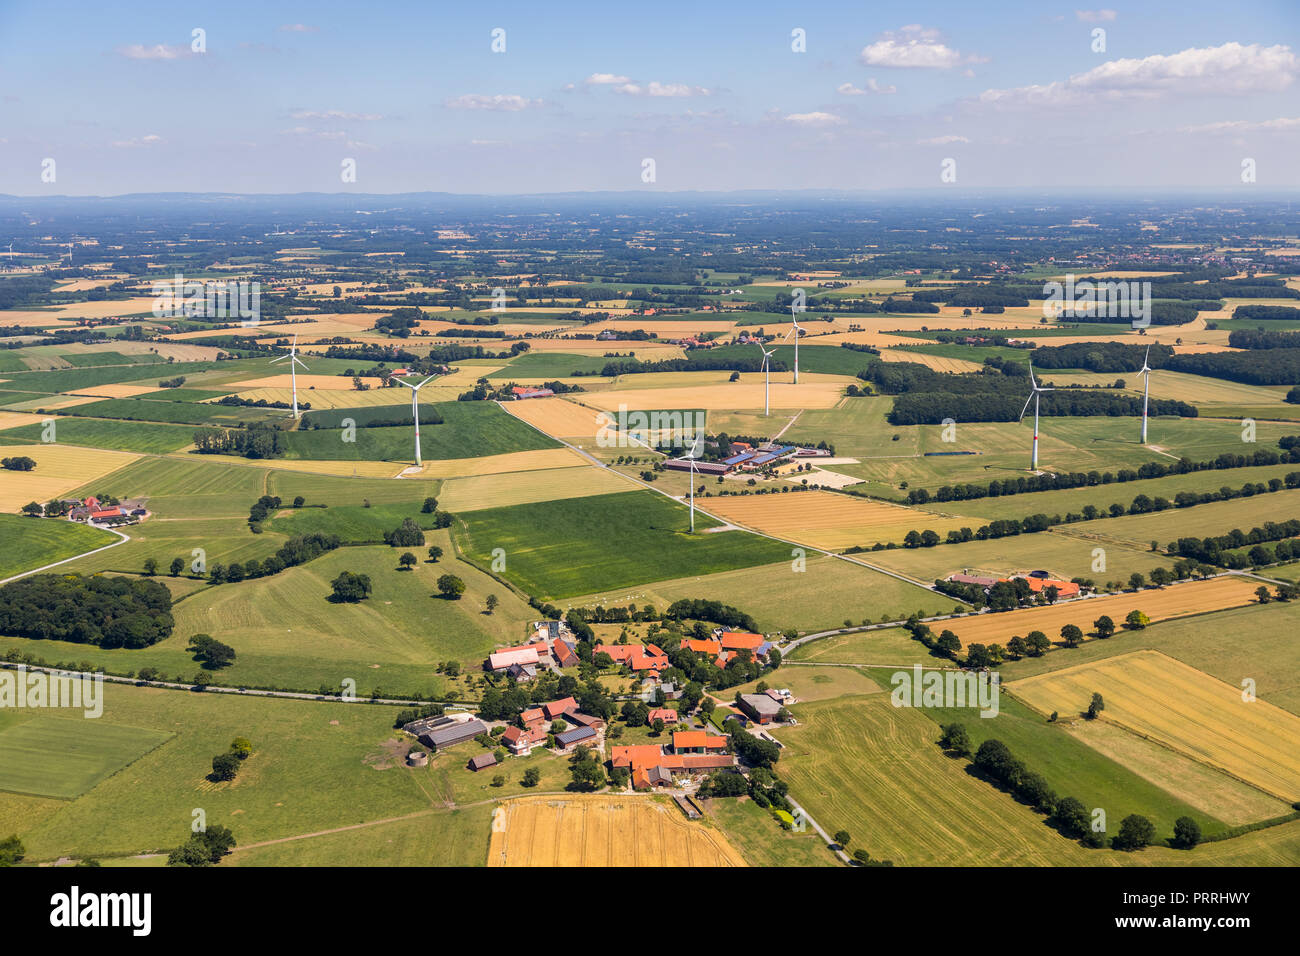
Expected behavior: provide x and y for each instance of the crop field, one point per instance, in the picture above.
(1064, 555)
(63, 757)
(526, 487)
(559, 549)
(27, 543)
(146, 438)
(1215, 518)
(557, 417)
(1179, 386)
(1159, 604)
(603, 831)
(1180, 707)
(873, 769)
(724, 397)
(156, 409)
(820, 597)
(1103, 496)
(824, 519)
(59, 469)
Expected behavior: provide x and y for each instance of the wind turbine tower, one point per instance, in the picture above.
(767, 376)
(415, 414)
(1033, 397)
(294, 362)
(796, 332)
(1146, 391)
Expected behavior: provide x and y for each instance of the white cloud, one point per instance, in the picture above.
(335, 115)
(606, 79)
(655, 88)
(871, 86)
(1281, 124)
(502, 102)
(152, 139)
(942, 140)
(814, 119)
(298, 28)
(1230, 69)
(914, 47)
(159, 51)
(1095, 16)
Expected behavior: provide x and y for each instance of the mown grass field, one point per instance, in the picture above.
(64, 756)
(822, 596)
(559, 549)
(760, 839)
(144, 437)
(1215, 518)
(27, 543)
(354, 524)
(891, 645)
(476, 492)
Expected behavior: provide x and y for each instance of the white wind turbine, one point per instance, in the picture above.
(767, 375)
(690, 456)
(796, 332)
(294, 362)
(1033, 397)
(1146, 391)
(415, 413)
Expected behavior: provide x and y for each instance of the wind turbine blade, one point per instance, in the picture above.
(1026, 408)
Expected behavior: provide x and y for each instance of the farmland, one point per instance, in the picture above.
(1158, 697)
(559, 549)
(59, 469)
(97, 433)
(63, 757)
(27, 543)
(603, 831)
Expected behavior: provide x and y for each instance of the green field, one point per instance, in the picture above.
(829, 591)
(63, 757)
(143, 437)
(1215, 518)
(549, 365)
(468, 430)
(560, 549)
(27, 543)
(354, 524)
(760, 839)
(890, 646)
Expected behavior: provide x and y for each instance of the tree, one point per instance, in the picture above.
(1071, 818)
(862, 856)
(241, 747)
(224, 767)
(1072, 635)
(11, 851)
(430, 506)
(351, 588)
(1135, 832)
(435, 553)
(1136, 620)
(948, 642)
(407, 560)
(1263, 594)
(150, 567)
(33, 508)
(842, 838)
(491, 603)
(1017, 647)
(1038, 643)
(1095, 707)
(451, 587)
(1187, 833)
(499, 780)
(299, 501)
(532, 776)
(203, 849)
(210, 652)
(1136, 580)
(955, 738)
(1104, 626)
(1161, 576)
(177, 566)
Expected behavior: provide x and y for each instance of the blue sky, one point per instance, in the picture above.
(1012, 93)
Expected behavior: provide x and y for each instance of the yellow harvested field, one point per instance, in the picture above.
(1159, 604)
(1181, 386)
(55, 402)
(557, 417)
(824, 519)
(645, 351)
(668, 328)
(538, 460)
(362, 469)
(59, 469)
(1176, 705)
(328, 398)
(330, 383)
(726, 396)
(15, 419)
(599, 830)
(526, 487)
(115, 391)
(876, 339)
(939, 363)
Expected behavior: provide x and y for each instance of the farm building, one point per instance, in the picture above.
(522, 673)
(635, 656)
(760, 707)
(571, 738)
(666, 714)
(697, 742)
(482, 762)
(559, 708)
(643, 759)
(565, 655)
(701, 467)
(439, 732)
(522, 392)
(711, 646)
(503, 659)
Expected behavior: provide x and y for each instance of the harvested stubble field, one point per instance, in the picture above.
(59, 469)
(727, 396)
(603, 831)
(1158, 604)
(824, 519)
(541, 459)
(1190, 712)
(518, 488)
(556, 417)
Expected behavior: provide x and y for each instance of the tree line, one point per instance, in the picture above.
(104, 611)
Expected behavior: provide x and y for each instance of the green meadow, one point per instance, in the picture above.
(27, 543)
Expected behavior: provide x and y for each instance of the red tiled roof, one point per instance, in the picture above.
(709, 646)
(557, 708)
(690, 739)
(735, 640)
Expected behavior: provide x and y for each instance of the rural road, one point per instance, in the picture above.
(121, 538)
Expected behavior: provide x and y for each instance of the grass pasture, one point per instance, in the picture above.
(517, 488)
(63, 757)
(27, 543)
(558, 549)
(1174, 704)
(142, 437)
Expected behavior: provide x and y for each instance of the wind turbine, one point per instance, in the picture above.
(796, 332)
(767, 375)
(1146, 391)
(691, 456)
(415, 413)
(294, 362)
(1033, 397)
